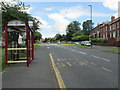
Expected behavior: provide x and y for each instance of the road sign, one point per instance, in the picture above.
(16, 23)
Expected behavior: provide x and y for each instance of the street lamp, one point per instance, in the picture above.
(90, 12)
(91, 22)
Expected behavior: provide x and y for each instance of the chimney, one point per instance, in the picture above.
(112, 18)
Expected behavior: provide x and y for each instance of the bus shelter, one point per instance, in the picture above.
(19, 42)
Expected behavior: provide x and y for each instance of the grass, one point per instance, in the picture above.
(2, 59)
(36, 45)
(89, 47)
(2, 56)
(116, 50)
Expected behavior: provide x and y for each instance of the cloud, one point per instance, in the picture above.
(60, 22)
(111, 4)
(47, 35)
(73, 12)
(48, 9)
(44, 23)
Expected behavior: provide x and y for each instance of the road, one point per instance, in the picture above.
(85, 68)
(65, 67)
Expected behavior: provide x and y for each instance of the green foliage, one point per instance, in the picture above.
(37, 35)
(58, 36)
(63, 37)
(15, 12)
(99, 40)
(104, 40)
(87, 25)
(81, 38)
(71, 29)
(78, 33)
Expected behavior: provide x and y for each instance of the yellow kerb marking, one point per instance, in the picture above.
(57, 73)
(106, 69)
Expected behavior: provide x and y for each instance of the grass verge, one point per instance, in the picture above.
(116, 50)
(36, 45)
(2, 59)
(89, 47)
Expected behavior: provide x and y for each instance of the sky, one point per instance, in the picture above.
(55, 16)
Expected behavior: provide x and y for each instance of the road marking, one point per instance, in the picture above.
(82, 63)
(69, 64)
(82, 52)
(63, 65)
(92, 63)
(57, 73)
(106, 69)
(58, 59)
(100, 58)
(48, 47)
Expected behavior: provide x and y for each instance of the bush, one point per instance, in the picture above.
(96, 39)
(80, 38)
(99, 40)
(104, 40)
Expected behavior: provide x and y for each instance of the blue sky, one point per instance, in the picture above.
(55, 16)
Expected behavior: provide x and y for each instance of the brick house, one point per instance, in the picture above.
(109, 30)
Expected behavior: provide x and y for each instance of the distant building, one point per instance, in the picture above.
(109, 30)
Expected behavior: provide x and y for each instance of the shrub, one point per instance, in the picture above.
(80, 38)
(104, 40)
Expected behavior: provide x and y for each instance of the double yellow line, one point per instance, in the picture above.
(57, 73)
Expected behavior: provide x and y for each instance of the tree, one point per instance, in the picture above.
(58, 36)
(37, 35)
(63, 37)
(72, 28)
(87, 26)
(13, 12)
(78, 33)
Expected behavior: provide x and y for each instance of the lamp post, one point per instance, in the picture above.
(90, 12)
(91, 22)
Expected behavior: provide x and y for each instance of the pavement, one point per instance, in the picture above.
(39, 75)
(73, 67)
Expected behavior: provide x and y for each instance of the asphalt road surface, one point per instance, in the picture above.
(85, 68)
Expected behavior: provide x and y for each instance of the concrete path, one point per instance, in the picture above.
(39, 75)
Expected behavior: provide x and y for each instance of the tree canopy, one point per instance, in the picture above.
(72, 28)
(87, 25)
(15, 12)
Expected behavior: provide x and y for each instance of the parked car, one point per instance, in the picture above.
(87, 43)
(58, 42)
(77, 43)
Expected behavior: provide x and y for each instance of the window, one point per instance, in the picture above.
(103, 36)
(118, 25)
(106, 35)
(110, 35)
(117, 33)
(114, 25)
(114, 34)
(106, 28)
(110, 27)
